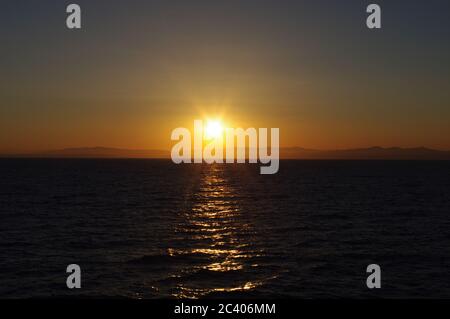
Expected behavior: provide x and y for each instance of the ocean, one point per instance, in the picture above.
(153, 229)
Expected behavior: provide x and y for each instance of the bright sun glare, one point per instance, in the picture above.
(213, 129)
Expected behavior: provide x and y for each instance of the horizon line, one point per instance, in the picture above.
(289, 152)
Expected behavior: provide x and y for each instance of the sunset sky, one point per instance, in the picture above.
(138, 69)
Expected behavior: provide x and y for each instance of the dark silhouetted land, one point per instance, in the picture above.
(372, 153)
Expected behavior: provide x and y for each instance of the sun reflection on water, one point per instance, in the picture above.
(215, 233)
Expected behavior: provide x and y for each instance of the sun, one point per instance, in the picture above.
(213, 129)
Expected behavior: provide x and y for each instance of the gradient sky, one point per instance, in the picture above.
(138, 69)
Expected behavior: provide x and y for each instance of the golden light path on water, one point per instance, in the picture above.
(215, 231)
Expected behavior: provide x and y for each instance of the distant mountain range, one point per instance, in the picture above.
(371, 153)
(95, 152)
(418, 153)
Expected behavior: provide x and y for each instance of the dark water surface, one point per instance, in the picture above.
(150, 228)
